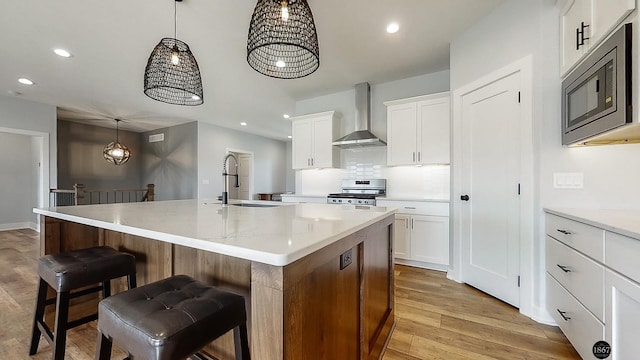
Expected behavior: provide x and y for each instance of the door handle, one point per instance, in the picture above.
(414, 156)
(562, 313)
(464, 197)
(564, 268)
(418, 156)
(311, 161)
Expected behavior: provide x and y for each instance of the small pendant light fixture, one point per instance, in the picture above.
(283, 42)
(172, 74)
(115, 152)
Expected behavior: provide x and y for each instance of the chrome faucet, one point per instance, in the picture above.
(225, 193)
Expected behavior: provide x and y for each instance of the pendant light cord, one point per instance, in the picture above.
(175, 19)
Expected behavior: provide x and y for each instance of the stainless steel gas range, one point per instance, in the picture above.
(359, 192)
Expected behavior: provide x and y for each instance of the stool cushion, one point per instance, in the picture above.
(169, 319)
(73, 269)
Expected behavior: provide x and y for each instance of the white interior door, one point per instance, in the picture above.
(490, 229)
(244, 176)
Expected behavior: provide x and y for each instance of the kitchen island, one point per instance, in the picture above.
(318, 279)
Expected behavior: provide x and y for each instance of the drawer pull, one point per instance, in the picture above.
(410, 207)
(564, 268)
(563, 231)
(562, 313)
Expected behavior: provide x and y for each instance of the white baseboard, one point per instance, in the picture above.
(34, 226)
(420, 264)
(16, 226)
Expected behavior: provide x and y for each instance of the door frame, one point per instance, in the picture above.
(252, 177)
(43, 172)
(528, 267)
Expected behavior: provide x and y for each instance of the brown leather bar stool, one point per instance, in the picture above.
(170, 319)
(69, 271)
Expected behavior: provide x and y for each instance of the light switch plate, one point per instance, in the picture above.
(568, 180)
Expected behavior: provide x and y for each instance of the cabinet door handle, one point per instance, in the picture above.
(308, 162)
(562, 313)
(414, 156)
(563, 231)
(311, 161)
(418, 156)
(412, 223)
(580, 38)
(410, 207)
(406, 223)
(564, 268)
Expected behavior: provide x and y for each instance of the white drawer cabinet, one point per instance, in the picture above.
(580, 326)
(593, 279)
(585, 238)
(576, 273)
(421, 233)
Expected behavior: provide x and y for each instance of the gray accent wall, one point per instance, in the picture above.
(80, 159)
(172, 164)
(269, 159)
(17, 180)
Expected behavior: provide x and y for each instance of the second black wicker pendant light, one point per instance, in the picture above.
(283, 42)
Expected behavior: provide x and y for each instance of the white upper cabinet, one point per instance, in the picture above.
(418, 130)
(584, 23)
(312, 137)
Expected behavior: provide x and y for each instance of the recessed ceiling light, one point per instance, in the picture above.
(25, 81)
(393, 28)
(280, 64)
(62, 52)
(286, 116)
(289, 137)
(195, 97)
(243, 123)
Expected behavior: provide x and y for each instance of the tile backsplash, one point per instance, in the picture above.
(411, 182)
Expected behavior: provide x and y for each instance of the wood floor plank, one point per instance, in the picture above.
(436, 318)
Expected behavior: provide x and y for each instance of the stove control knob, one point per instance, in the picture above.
(349, 201)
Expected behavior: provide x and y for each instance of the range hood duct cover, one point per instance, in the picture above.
(361, 137)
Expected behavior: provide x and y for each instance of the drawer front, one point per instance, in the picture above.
(622, 254)
(585, 238)
(417, 207)
(579, 325)
(581, 276)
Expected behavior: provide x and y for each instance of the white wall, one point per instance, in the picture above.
(17, 181)
(269, 159)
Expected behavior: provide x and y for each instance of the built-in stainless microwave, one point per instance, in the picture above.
(596, 95)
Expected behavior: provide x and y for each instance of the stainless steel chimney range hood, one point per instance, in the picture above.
(361, 137)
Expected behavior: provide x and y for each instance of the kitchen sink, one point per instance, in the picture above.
(254, 205)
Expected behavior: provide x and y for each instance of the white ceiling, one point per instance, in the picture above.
(111, 42)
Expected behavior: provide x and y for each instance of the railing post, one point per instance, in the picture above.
(150, 192)
(79, 195)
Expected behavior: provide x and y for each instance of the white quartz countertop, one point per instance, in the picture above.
(276, 235)
(623, 222)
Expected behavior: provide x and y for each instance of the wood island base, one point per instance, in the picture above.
(336, 303)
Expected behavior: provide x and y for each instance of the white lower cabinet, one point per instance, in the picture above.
(593, 286)
(623, 316)
(421, 233)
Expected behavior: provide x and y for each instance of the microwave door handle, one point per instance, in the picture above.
(598, 86)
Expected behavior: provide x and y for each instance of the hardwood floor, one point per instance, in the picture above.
(436, 318)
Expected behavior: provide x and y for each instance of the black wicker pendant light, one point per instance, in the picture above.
(283, 42)
(115, 152)
(172, 74)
